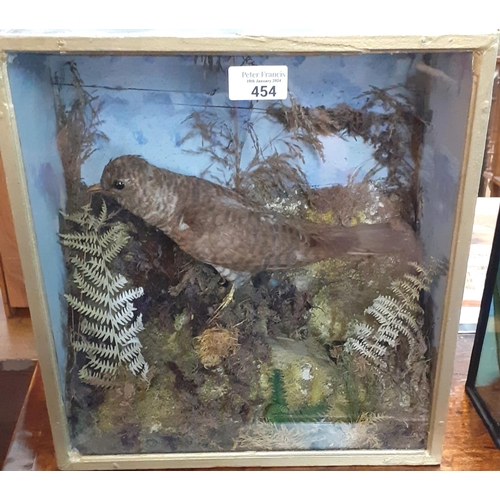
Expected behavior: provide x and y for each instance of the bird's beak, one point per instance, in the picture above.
(95, 188)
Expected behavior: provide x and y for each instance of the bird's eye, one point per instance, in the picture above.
(118, 185)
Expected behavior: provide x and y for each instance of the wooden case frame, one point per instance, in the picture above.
(484, 52)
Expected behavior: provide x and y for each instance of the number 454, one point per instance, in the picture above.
(263, 92)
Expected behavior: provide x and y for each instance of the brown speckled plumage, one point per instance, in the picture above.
(219, 227)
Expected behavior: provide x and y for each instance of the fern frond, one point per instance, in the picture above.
(113, 234)
(124, 316)
(116, 283)
(113, 249)
(362, 330)
(394, 319)
(95, 378)
(93, 349)
(383, 309)
(102, 365)
(139, 367)
(129, 335)
(108, 328)
(95, 294)
(125, 297)
(85, 309)
(97, 330)
(82, 238)
(103, 216)
(91, 268)
(81, 217)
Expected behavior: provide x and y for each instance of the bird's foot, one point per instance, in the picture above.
(227, 300)
(237, 278)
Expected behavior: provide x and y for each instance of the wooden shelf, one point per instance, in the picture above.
(11, 274)
(490, 185)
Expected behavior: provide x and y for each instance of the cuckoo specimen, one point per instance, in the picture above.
(218, 226)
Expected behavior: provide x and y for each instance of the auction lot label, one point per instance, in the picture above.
(256, 83)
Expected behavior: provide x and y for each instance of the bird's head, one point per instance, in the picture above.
(123, 178)
(141, 188)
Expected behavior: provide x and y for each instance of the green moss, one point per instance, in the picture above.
(262, 388)
(320, 387)
(327, 321)
(328, 217)
(356, 395)
(215, 386)
(181, 321)
(107, 417)
(305, 384)
(358, 217)
(158, 408)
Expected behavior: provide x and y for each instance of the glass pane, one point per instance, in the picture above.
(244, 275)
(488, 371)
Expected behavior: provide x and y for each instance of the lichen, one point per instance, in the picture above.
(355, 394)
(327, 320)
(295, 382)
(158, 408)
(215, 386)
(320, 387)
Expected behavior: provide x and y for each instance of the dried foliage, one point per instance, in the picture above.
(105, 327)
(274, 170)
(216, 64)
(216, 344)
(305, 124)
(387, 120)
(211, 63)
(361, 435)
(393, 341)
(77, 131)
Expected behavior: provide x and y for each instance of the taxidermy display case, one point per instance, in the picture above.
(244, 251)
(483, 381)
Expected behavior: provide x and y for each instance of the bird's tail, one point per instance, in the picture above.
(367, 239)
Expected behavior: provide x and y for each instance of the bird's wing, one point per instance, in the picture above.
(232, 202)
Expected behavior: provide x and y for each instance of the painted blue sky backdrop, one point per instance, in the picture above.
(33, 99)
(148, 98)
